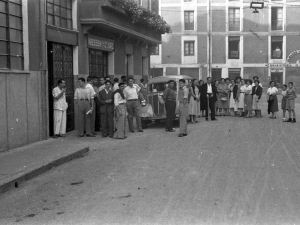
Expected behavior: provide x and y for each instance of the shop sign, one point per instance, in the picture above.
(292, 55)
(101, 43)
(281, 65)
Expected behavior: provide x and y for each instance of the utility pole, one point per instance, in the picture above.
(209, 38)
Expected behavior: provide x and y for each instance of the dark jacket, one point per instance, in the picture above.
(258, 91)
(103, 96)
(204, 92)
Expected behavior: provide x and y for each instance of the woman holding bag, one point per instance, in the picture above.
(272, 100)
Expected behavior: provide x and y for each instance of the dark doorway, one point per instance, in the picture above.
(234, 73)
(60, 66)
(216, 74)
(278, 78)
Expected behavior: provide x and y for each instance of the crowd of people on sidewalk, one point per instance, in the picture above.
(105, 105)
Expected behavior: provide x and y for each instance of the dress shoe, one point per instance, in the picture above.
(141, 131)
(90, 135)
(55, 136)
(81, 135)
(185, 134)
(289, 120)
(171, 130)
(214, 119)
(293, 121)
(111, 136)
(180, 135)
(62, 135)
(132, 131)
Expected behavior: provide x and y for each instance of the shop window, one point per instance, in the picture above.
(98, 62)
(189, 48)
(234, 73)
(155, 50)
(11, 39)
(234, 19)
(59, 13)
(277, 18)
(189, 20)
(233, 47)
(276, 47)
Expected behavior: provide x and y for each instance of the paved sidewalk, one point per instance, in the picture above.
(24, 163)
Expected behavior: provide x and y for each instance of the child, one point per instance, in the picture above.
(290, 102)
(283, 101)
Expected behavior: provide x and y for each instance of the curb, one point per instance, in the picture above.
(15, 180)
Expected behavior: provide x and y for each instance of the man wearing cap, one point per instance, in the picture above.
(169, 97)
(106, 98)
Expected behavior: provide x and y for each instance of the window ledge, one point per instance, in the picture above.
(13, 71)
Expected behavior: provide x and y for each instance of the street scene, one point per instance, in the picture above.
(149, 112)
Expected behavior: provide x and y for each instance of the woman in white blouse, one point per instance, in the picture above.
(120, 112)
(272, 100)
(241, 103)
(248, 98)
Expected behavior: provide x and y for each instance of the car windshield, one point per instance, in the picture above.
(158, 87)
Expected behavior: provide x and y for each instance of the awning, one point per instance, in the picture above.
(103, 24)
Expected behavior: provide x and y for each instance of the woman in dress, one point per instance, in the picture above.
(231, 99)
(120, 112)
(202, 102)
(216, 83)
(272, 100)
(248, 99)
(194, 105)
(223, 97)
(257, 102)
(241, 103)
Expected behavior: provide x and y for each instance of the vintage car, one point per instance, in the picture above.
(154, 110)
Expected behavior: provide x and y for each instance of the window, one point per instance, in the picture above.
(234, 19)
(189, 48)
(11, 35)
(59, 13)
(155, 50)
(276, 47)
(277, 18)
(233, 47)
(188, 0)
(98, 63)
(189, 20)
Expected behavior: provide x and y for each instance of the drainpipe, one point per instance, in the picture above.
(209, 38)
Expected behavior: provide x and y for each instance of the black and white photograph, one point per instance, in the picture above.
(149, 112)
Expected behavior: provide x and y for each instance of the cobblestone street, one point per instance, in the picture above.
(232, 171)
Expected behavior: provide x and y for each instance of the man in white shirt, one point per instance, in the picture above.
(90, 86)
(209, 91)
(254, 79)
(60, 109)
(133, 106)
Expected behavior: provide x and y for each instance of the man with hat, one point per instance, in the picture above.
(169, 97)
(106, 99)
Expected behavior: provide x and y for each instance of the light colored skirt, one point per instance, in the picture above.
(194, 107)
(290, 104)
(256, 105)
(248, 102)
(241, 103)
(120, 118)
(231, 102)
(222, 104)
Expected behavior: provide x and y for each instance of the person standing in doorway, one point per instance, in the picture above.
(169, 97)
(106, 98)
(133, 106)
(183, 94)
(90, 86)
(84, 98)
(60, 109)
(210, 92)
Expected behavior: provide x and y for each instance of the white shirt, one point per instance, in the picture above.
(131, 92)
(59, 104)
(116, 86)
(118, 99)
(248, 89)
(272, 90)
(209, 89)
(91, 89)
(253, 84)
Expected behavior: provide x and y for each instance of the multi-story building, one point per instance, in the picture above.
(44, 41)
(224, 38)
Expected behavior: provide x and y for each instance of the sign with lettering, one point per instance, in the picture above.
(101, 43)
(281, 65)
(292, 55)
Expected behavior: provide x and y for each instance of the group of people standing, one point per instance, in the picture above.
(227, 97)
(107, 104)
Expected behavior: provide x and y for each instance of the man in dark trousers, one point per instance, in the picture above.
(169, 97)
(209, 93)
(106, 98)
